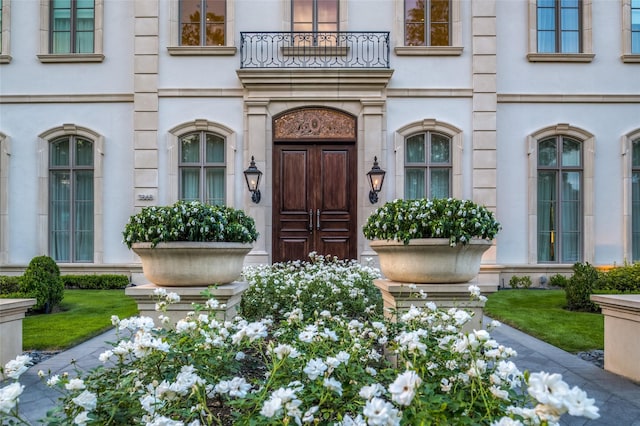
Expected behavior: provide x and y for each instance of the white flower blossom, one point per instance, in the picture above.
(381, 413)
(314, 368)
(81, 419)
(9, 396)
(14, 368)
(75, 384)
(86, 400)
(403, 389)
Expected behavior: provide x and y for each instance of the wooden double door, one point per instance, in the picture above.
(314, 200)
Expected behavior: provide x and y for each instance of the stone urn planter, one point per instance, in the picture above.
(191, 264)
(430, 260)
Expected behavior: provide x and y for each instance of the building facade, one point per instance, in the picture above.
(529, 107)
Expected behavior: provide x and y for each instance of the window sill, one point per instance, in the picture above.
(631, 58)
(428, 50)
(560, 57)
(70, 57)
(5, 59)
(202, 50)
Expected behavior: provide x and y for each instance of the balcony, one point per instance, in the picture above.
(333, 50)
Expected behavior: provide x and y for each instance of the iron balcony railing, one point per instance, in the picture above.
(344, 49)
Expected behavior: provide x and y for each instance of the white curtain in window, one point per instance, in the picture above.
(60, 216)
(546, 216)
(83, 218)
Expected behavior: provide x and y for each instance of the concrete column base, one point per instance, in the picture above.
(621, 333)
(11, 314)
(228, 294)
(399, 297)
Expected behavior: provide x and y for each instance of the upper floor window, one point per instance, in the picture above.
(314, 15)
(71, 199)
(428, 166)
(202, 22)
(72, 26)
(202, 167)
(559, 26)
(559, 199)
(635, 199)
(427, 23)
(635, 27)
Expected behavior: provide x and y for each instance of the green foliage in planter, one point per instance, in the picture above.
(323, 283)
(189, 221)
(9, 284)
(624, 279)
(558, 280)
(95, 282)
(580, 286)
(457, 220)
(42, 280)
(520, 282)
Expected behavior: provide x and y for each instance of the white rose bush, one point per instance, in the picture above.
(298, 367)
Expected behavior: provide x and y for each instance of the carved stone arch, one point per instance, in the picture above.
(315, 123)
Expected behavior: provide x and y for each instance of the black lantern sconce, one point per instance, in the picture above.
(376, 178)
(252, 175)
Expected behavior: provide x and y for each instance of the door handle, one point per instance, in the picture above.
(310, 220)
(318, 219)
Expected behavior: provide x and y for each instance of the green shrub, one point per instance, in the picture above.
(324, 283)
(95, 282)
(558, 280)
(624, 279)
(42, 280)
(9, 284)
(520, 282)
(580, 286)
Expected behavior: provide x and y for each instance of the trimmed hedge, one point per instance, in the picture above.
(9, 284)
(580, 286)
(623, 279)
(95, 282)
(42, 280)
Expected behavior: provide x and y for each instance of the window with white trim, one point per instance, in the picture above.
(635, 27)
(427, 23)
(427, 166)
(202, 171)
(202, 22)
(560, 194)
(315, 15)
(71, 199)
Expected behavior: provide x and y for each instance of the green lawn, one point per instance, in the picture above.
(541, 313)
(83, 314)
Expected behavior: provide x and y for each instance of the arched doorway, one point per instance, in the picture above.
(314, 184)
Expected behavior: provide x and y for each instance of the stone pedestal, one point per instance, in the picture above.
(621, 333)
(399, 297)
(228, 294)
(11, 314)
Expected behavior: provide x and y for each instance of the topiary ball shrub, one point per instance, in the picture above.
(42, 280)
(580, 286)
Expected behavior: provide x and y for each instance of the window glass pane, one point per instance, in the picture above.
(546, 3)
(415, 35)
(215, 186)
(635, 3)
(415, 152)
(189, 184)
(635, 153)
(302, 10)
(569, 3)
(328, 11)
(439, 183)
(546, 19)
(190, 148)
(546, 42)
(547, 152)
(59, 155)
(571, 152)
(84, 152)
(216, 10)
(215, 23)
(84, 42)
(83, 216)
(570, 42)
(62, 4)
(61, 20)
(570, 217)
(215, 149)
(440, 11)
(440, 149)
(85, 4)
(439, 35)
(190, 20)
(569, 19)
(547, 216)
(215, 34)
(414, 184)
(635, 42)
(59, 215)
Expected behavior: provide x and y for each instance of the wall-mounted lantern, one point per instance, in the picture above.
(376, 178)
(252, 175)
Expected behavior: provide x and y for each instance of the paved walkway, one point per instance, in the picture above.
(617, 398)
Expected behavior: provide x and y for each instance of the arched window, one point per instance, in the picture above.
(427, 166)
(561, 159)
(635, 199)
(202, 167)
(71, 199)
(560, 195)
